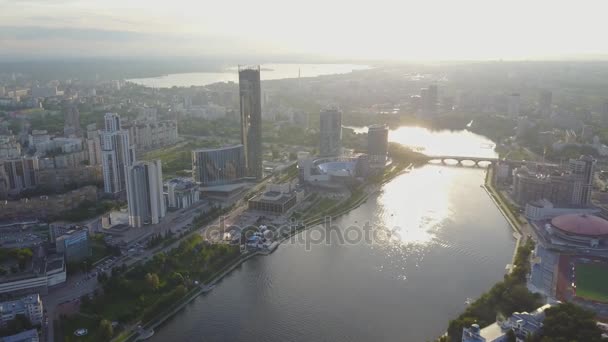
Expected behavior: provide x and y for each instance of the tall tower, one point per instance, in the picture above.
(582, 169)
(377, 143)
(117, 154)
(330, 133)
(71, 124)
(145, 193)
(251, 119)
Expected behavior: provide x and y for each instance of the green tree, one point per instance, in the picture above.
(568, 322)
(152, 281)
(106, 330)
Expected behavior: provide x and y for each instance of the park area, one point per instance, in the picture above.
(591, 280)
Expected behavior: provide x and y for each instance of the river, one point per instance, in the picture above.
(450, 243)
(268, 72)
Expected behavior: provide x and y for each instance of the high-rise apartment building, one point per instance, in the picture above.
(145, 193)
(330, 133)
(117, 154)
(251, 120)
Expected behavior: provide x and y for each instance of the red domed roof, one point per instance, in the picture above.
(581, 224)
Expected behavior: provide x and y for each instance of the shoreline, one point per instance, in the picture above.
(506, 213)
(189, 298)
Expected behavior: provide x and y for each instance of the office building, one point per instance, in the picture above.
(29, 306)
(218, 166)
(545, 103)
(71, 124)
(74, 244)
(182, 193)
(513, 105)
(251, 120)
(277, 199)
(330, 133)
(38, 277)
(377, 144)
(145, 193)
(117, 154)
(582, 169)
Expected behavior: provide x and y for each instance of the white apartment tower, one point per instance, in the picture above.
(117, 154)
(145, 193)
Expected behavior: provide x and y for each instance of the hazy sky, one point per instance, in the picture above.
(384, 29)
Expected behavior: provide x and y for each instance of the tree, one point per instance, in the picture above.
(106, 330)
(152, 281)
(567, 322)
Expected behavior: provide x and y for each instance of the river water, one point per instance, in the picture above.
(268, 72)
(449, 243)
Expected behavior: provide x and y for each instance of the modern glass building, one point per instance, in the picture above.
(251, 120)
(218, 166)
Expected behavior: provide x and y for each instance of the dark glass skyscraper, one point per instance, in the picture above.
(251, 119)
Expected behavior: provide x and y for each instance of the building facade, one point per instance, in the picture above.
(377, 143)
(145, 193)
(29, 306)
(219, 166)
(182, 193)
(117, 154)
(330, 133)
(151, 135)
(74, 244)
(21, 174)
(251, 120)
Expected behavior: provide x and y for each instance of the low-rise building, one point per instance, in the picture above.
(181, 193)
(29, 306)
(277, 199)
(24, 336)
(42, 274)
(73, 242)
(523, 324)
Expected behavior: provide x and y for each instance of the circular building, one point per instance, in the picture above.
(582, 229)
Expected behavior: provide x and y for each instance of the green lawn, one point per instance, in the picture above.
(591, 281)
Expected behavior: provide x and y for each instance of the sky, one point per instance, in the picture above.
(343, 29)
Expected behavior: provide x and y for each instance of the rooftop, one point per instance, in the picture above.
(581, 224)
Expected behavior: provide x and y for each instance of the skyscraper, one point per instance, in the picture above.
(117, 154)
(545, 103)
(330, 133)
(218, 166)
(582, 169)
(377, 143)
(71, 124)
(145, 193)
(251, 119)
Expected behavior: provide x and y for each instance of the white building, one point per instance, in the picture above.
(330, 133)
(117, 154)
(150, 135)
(145, 193)
(29, 306)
